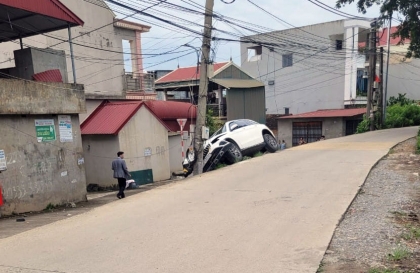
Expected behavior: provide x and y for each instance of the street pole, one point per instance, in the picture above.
(372, 70)
(381, 86)
(387, 68)
(203, 87)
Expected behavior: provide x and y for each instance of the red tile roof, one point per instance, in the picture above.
(170, 111)
(186, 74)
(383, 38)
(51, 8)
(329, 113)
(48, 76)
(110, 117)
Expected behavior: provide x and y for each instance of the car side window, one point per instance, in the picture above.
(224, 129)
(233, 126)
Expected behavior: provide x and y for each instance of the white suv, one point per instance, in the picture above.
(237, 138)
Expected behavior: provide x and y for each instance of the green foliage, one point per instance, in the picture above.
(258, 154)
(50, 206)
(398, 115)
(377, 270)
(363, 126)
(212, 122)
(418, 143)
(219, 166)
(401, 100)
(409, 27)
(399, 253)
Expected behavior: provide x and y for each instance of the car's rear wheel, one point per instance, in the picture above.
(270, 143)
(233, 154)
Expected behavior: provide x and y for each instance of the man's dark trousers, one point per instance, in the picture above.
(121, 185)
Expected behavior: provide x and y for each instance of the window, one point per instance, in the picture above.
(338, 44)
(254, 53)
(309, 131)
(287, 60)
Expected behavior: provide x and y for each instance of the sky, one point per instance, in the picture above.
(158, 40)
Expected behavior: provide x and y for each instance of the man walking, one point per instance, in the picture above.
(121, 173)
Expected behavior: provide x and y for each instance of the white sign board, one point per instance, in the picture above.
(148, 151)
(3, 162)
(65, 128)
(182, 122)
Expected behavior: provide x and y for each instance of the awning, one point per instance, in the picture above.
(237, 83)
(24, 18)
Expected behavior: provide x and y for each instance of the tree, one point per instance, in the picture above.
(410, 23)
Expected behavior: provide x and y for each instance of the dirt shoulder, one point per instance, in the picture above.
(10, 226)
(380, 233)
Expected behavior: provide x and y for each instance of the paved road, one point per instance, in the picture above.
(275, 213)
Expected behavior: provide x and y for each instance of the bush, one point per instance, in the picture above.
(402, 115)
(213, 123)
(363, 126)
(418, 142)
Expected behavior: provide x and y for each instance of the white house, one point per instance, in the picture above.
(308, 68)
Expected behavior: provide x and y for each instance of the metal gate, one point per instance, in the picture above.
(309, 131)
(351, 126)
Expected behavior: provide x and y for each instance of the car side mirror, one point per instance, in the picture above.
(234, 127)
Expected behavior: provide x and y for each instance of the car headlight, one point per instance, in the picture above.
(223, 142)
(214, 140)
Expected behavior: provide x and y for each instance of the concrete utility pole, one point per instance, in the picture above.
(381, 86)
(204, 84)
(372, 71)
(387, 68)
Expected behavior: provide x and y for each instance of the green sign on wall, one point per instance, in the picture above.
(45, 130)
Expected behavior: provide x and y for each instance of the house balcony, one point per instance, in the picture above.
(139, 82)
(217, 110)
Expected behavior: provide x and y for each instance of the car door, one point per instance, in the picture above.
(237, 134)
(252, 134)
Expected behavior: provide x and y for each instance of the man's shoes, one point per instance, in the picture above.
(119, 197)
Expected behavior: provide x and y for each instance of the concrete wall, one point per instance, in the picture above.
(316, 80)
(24, 97)
(39, 173)
(175, 153)
(141, 132)
(404, 77)
(99, 152)
(91, 105)
(100, 71)
(30, 61)
(331, 128)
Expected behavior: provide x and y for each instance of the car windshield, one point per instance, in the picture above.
(220, 131)
(236, 124)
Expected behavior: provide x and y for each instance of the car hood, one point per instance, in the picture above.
(213, 139)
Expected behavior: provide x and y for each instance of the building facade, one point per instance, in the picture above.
(312, 126)
(308, 68)
(98, 47)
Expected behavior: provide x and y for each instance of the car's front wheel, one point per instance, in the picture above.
(270, 143)
(233, 154)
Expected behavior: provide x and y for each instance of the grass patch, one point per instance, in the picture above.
(320, 268)
(377, 270)
(399, 254)
(246, 158)
(219, 166)
(50, 206)
(258, 154)
(399, 213)
(412, 233)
